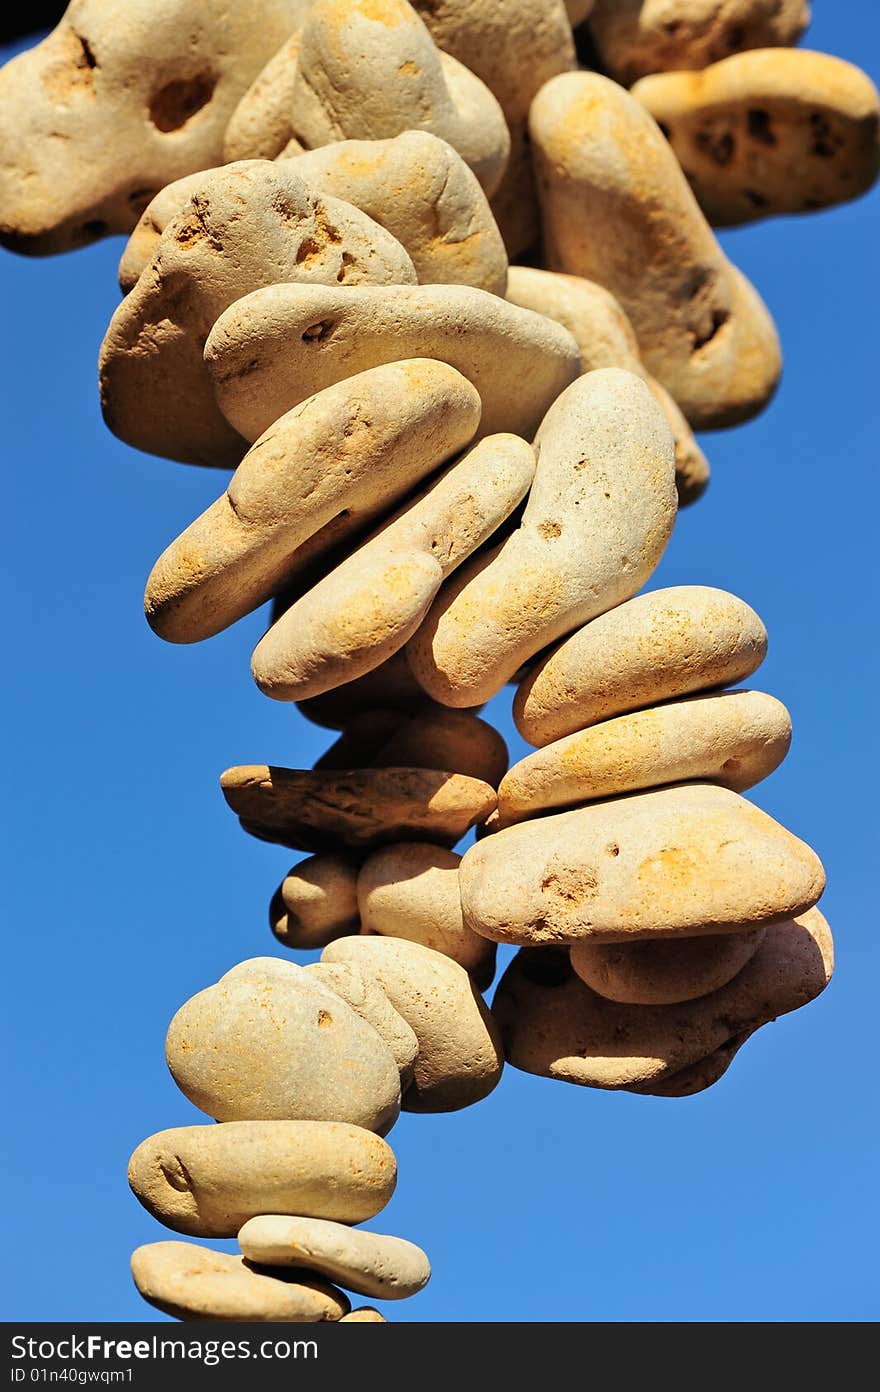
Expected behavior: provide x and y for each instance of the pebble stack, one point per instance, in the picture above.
(451, 474)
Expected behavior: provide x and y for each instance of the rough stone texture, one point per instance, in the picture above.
(605, 338)
(444, 221)
(310, 810)
(268, 1042)
(668, 643)
(259, 127)
(735, 738)
(552, 1024)
(317, 901)
(771, 131)
(617, 209)
(194, 1283)
(514, 48)
(635, 37)
(364, 1315)
(370, 1002)
(367, 608)
(324, 470)
(208, 1180)
(597, 519)
(410, 891)
(369, 69)
(437, 738)
(386, 1268)
(460, 1058)
(247, 225)
(272, 349)
(663, 973)
(122, 97)
(680, 861)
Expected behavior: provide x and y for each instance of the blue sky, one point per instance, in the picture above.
(130, 886)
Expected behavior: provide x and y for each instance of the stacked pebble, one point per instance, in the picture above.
(450, 474)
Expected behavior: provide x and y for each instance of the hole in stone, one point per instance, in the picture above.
(324, 1019)
(759, 127)
(177, 102)
(315, 332)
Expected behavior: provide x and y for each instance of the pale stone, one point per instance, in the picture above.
(364, 1315)
(605, 338)
(121, 98)
(369, 69)
(370, 1002)
(410, 891)
(635, 37)
(321, 472)
(208, 1180)
(552, 1024)
(386, 1268)
(317, 901)
(436, 738)
(260, 125)
(247, 225)
(415, 186)
(460, 1058)
(598, 517)
(664, 972)
(272, 349)
(368, 607)
(771, 131)
(735, 738)
(194, 1283)
(617, 209)
(268, 1042)
(667, 643)
(309, 809)
(514, 48)
(675, 862)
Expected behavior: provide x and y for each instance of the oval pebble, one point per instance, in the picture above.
(386, 1268)
(664, 972)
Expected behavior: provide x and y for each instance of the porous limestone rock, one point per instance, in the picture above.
(676, 862)
(386, 1268)
(268, 1042)
(770, 131)
(208, 1180)
(597, 519)
(194, 1283)
(617, 209)
(460, 1058)
(667, 643)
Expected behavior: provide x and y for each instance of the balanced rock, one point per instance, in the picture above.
(635, 37)
(272, 349)
(368, 1000)
(269, 1042)
(679, 861)
(735, 738)
(194, 1283)
(410, 891)
(460, 1058)
(386, 1268)
(657, 646)
(437, 738)
(663, 972)
(771, 131)
(552, 1024)
(597, 519)
(618, 209)
(209, 1180)
(323, 471)
(310, 809)
(317, 901)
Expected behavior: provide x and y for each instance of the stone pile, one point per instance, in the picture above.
(451, 473)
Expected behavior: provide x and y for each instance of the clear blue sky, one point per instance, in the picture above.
(130, 886)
